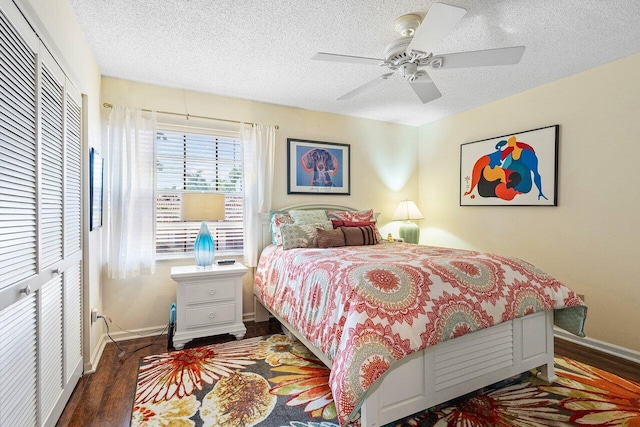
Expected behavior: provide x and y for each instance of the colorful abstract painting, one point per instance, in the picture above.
(511, 170)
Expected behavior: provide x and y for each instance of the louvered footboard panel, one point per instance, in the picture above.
(460, 366)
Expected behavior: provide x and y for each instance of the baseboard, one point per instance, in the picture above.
(152, 331)
(604, 347)
(137, 333)
(91, 366)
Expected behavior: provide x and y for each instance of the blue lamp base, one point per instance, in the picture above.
(204, 248)
(410, 232)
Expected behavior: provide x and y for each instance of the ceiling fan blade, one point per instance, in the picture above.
(425, 88)
(480, 58)
(364, 87)
(332, 57)
(439, 22)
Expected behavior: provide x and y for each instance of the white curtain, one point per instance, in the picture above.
(259, 145)
(130, 186)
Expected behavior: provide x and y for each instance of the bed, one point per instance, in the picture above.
(396, 357)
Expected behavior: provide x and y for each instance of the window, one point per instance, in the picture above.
(196, 162)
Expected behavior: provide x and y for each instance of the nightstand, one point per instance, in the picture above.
(209, 302)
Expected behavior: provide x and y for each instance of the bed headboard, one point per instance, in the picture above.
(265, 235)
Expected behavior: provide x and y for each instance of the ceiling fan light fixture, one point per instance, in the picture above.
(420, 38)
(407, 25)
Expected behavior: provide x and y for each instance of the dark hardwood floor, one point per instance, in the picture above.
(105, 398)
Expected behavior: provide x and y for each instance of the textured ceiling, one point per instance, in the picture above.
(261, 50)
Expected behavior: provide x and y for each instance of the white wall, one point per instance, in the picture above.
(383, 172)
(591, 240)
(55, 23)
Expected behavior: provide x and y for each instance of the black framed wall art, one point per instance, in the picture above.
(519, 169)
(315, 167)
(96, 177)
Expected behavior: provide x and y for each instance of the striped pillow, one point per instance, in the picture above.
(359, 236)
(355, 216)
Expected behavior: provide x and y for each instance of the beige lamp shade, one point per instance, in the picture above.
(407, 211)
(202, 207)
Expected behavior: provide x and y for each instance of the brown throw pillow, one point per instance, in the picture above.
(330, 238)
(359, 236)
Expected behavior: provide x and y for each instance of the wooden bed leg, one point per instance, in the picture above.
(261, 313)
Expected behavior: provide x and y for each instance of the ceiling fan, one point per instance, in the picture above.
(414, 50)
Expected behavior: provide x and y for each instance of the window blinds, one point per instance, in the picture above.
(197, 162)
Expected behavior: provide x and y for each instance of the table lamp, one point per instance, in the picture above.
(407, 211)
(202, 207)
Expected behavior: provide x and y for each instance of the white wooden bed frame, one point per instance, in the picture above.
(450, 369)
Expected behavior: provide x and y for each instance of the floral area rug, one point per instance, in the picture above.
(274, 382)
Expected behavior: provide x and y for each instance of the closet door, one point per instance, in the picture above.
(72, 236)
(18, 221)
(51, 215)
(40, 229)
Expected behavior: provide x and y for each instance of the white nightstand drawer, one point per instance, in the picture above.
(210, 315)
(208, 292)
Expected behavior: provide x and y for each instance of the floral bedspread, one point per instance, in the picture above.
(366, 307)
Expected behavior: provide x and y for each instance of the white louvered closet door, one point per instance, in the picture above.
(40, 229)
(18, 221)
(72, 237)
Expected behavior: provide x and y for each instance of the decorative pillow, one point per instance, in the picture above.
(302, 235)
(340, 223)
(355, 216)
(330, 238)
(301, 216)
(277, 220)
(359, 236)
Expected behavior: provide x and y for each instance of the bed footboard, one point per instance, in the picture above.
(455, 367)
(460, 366)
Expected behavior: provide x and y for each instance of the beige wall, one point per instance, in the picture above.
(383, 172)
(591, 240)
(55, 23)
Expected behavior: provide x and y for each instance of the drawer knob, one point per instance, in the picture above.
(212, 315)
(212, 291)
(26, 290)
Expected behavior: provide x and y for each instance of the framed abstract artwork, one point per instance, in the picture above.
(519, 169)
(315, 167)
(96, 175)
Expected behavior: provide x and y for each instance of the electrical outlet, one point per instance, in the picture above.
(94, 315)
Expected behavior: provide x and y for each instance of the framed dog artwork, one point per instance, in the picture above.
(315, 167)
